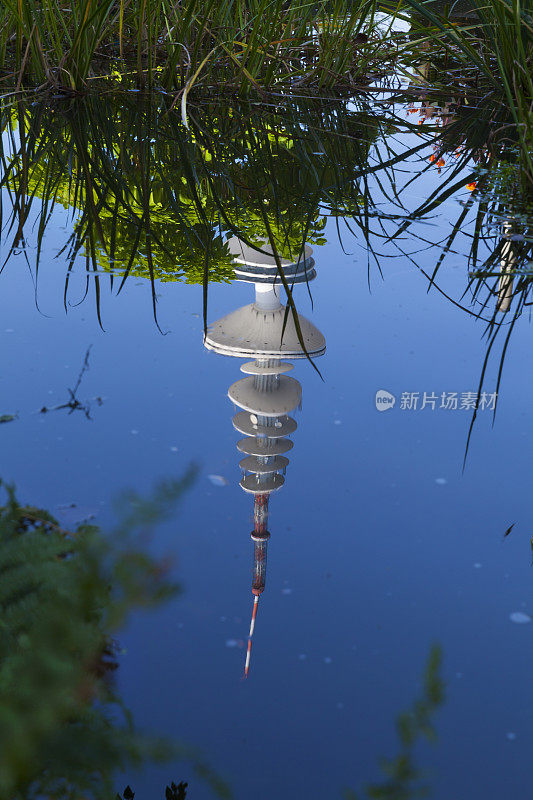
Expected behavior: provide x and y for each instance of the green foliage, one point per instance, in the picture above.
(402, 777)
(235, 44)
(489, 45)
(150, 198)
(63, 595)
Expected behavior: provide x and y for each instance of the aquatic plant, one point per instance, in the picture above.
(148, 197)
(172, 792)
(63, 597)
(494, 221)
(175, 44)
(403, 779)
(489, 46)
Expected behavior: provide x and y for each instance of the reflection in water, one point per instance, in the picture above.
(265, 331)
(166, 203)
(507, 262)
(149, 198)
(65, 595)
(403, 778)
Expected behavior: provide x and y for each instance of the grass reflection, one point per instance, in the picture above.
(148, 197)
(485, 45)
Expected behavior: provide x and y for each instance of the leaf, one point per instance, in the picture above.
(189, 86)
(174, 792)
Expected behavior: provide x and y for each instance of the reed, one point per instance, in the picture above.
(492, 41)
(176, 44)
(150, 198)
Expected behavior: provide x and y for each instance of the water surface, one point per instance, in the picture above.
(384, 542)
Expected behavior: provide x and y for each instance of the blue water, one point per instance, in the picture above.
(381, 544)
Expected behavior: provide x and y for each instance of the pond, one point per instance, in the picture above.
(396, 612)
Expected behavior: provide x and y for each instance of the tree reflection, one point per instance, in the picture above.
(149, 198)
(64, 594)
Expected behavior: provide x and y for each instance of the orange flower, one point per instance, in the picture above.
(471, 186)
(432, 158)
(441, 162)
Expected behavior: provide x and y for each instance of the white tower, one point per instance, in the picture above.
(265, 331)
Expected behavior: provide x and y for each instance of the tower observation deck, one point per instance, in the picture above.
(264, 332)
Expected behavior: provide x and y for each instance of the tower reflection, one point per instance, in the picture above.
(265, 331)
(508, 260)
